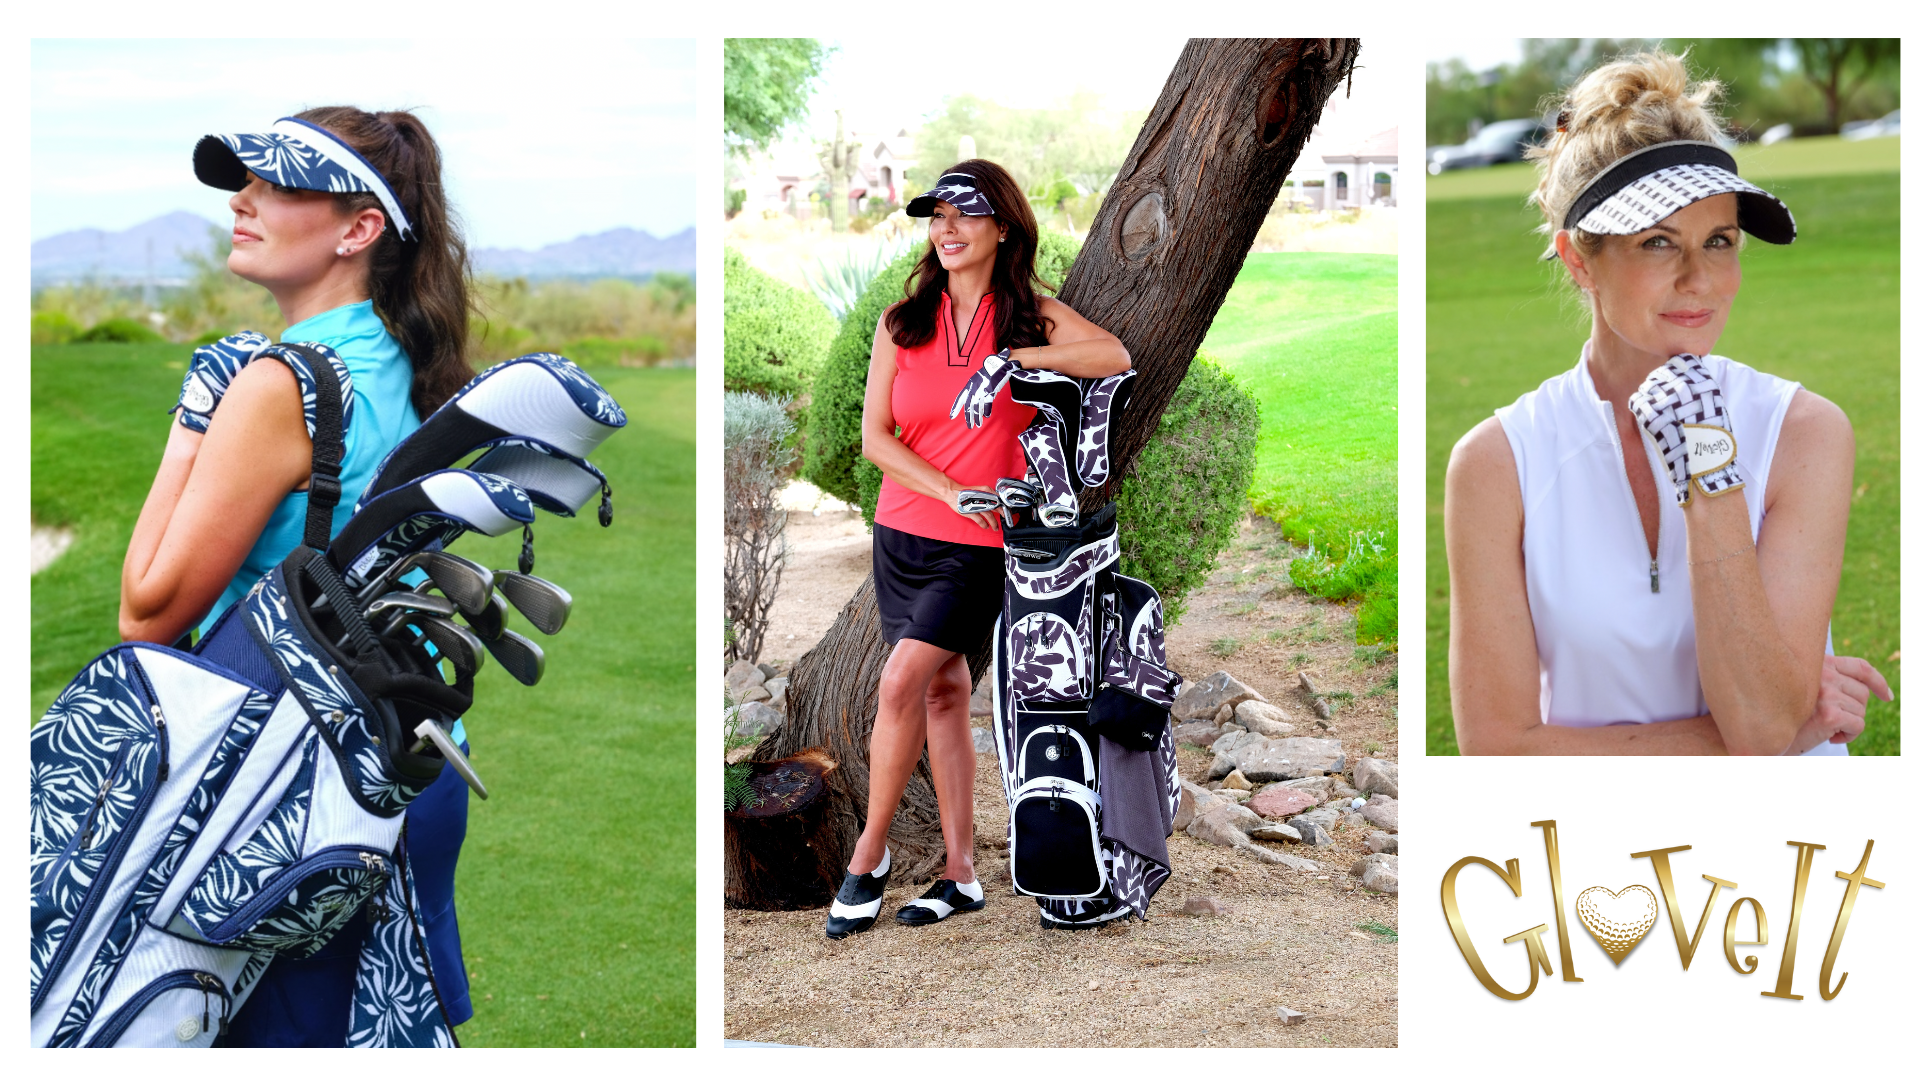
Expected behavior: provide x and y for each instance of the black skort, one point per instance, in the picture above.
(936, 591)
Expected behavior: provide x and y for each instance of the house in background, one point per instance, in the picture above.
(790, 179)
(1349, 174)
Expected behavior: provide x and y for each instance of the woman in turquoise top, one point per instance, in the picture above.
(341, 215)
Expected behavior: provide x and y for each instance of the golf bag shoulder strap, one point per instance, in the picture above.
(329, 446)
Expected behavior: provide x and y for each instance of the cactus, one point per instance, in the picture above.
(840, 162)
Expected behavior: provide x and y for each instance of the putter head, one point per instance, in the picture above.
(518, 657)
(430, 733)
(545, 604)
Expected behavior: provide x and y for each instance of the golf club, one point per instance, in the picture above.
(490, 621)
(544, 604)
(465, 582)
(518, 656)
(410, 601)
(431, 733)
(453, 641)
(428, 513)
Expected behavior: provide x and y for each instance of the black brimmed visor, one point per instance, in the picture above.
(957, 189)
(295, 154)
(1648, 186)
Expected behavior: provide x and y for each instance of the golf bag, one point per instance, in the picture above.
(195, 814)
(1081, 687)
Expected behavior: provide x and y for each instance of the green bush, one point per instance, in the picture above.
(1182, 501)
(776, 334)
(1370, 570)
(125, 331)
(54, 328)
(833, 462)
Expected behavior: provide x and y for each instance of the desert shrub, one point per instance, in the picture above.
(758, 437)
(54, 328)
(1183, 499)
(776, 334)
(119, 330)
(833, 462)
(607, 320)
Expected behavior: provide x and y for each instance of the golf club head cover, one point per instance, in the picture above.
(1100, 407)
(431, 511)
(555, 480)
(540, 396)
(209, 374)
(303, 373)
(1056, 398)
(972, 501)
(976, 396)
(1041, 443)
(1681, 407)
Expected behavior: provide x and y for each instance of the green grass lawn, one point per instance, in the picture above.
(1315, 339)
(1824, 312)
(575, 889)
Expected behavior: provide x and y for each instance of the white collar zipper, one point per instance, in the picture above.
(1620, 455)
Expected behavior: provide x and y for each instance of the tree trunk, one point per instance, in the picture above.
(1158, 261)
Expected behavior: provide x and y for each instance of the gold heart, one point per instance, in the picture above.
(1617, 920)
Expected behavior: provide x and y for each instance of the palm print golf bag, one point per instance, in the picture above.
(195, 814)
(1081, 687)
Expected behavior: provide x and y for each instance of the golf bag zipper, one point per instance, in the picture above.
(206, 982)
(293, 877)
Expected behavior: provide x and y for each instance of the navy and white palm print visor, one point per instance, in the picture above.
(955, 188)
(295, 154)
(1649, 185)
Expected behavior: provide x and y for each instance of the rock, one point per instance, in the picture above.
(756, 693)
(1385, 843)
(1279, 802)
(1275, 833)
(1203, 905)
(743, 675)
(1224, 823)
(1230, 727)
(1373, 776)
(1352, 820)
(777, 692)
(1201, 797)
(770, 670)
(1311, 832)
(1384, 811)
(984, 742)
(1183, 817)
(1323, 817)
(1319, 787)
(1235, 795)
(1262, 717)
(1201, 734)
(1236, 779)
(1223, 714)
(1381, 873)
(1338, 788)
(1290, 759)
(1288, 1017)
(1202, 699)
(1293, 862)
(757, 720)
(982, 702)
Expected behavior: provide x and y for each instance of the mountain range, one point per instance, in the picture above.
(160, 251)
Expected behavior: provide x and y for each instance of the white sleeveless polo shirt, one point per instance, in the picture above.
(1612, 649)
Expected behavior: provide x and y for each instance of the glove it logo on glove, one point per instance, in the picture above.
(1709, 450)
(195, 395)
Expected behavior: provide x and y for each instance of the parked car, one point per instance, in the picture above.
(1503, 140)
(1872, 129)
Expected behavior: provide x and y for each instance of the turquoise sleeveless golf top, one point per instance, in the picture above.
(383, 414)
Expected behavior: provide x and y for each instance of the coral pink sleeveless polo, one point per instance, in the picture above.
(925, 382)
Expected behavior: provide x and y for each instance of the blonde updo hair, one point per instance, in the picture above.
(1615, 109)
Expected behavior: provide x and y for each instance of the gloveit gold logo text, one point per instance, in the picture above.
(1619, 920)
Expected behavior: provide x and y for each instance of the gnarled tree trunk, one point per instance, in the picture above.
(1158, 262)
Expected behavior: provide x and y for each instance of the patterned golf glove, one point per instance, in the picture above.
(1682, 407)
(976, 397)
(210, 373)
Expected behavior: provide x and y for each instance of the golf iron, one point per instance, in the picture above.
(545, 604)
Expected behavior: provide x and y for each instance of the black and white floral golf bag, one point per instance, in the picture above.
(195, 814)
(1081, 687)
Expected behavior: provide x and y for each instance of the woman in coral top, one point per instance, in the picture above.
(969, 319)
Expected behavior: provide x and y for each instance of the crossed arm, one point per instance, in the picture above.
(1074, 347)
(210, 501)
(1760, 617)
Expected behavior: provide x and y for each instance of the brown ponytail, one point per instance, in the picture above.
(420, 287)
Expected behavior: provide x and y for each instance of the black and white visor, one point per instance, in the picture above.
(1648, 186)
(295, 154)
(955, 188)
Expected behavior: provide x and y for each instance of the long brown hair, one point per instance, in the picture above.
(420, 286)
(1017, 322)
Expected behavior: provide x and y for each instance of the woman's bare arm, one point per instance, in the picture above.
(1493, 664)
(1074, 346)
(210, 500)
(880, 445)
(1760, 616)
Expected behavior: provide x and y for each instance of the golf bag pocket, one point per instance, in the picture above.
(188, 1009)
(1050, 646)
(1054, 839)
(1054, 750)
(1126, 720)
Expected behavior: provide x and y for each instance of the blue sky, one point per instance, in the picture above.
(538, 147)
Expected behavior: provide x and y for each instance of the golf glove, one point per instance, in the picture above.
(976, 397)
(1683, 409)
(211, 372)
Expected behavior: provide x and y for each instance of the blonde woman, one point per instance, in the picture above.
(1645, 550)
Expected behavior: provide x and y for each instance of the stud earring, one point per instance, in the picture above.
(340, 251)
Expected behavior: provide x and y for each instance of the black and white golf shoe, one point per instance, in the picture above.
(858, 902)
(943, 899)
